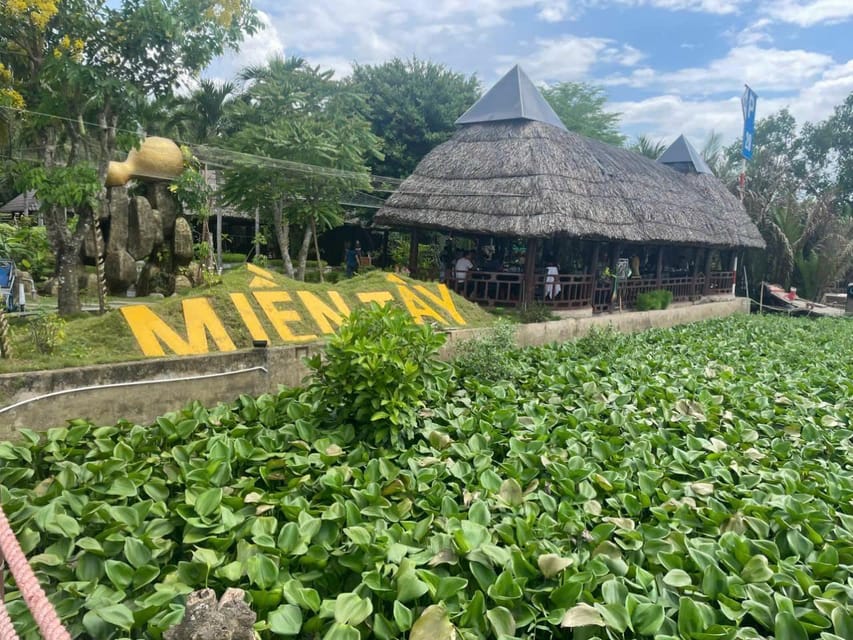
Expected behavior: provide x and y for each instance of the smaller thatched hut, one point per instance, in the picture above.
(513, 170)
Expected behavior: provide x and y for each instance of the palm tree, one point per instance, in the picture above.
(645, 146)
(202, 116)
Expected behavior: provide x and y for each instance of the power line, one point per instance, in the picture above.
(217, 155)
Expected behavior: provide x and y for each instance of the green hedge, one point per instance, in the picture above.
(658, 299)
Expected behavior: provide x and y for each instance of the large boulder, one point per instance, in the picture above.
(119, 207)
(230, 618)
(164, 201)
(120, 271)
(142, 228)
(157, 220)
(182, 283)
(182, 243)
(149, 280)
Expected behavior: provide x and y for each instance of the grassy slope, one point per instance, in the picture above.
(93, 340)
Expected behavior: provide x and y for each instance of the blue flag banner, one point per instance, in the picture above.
(748, 101)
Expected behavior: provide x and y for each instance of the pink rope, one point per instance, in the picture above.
(7, 630)
(41, 608)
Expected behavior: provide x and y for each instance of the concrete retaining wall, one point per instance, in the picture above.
(142, 390)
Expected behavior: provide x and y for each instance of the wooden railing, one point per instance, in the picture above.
(581, 290)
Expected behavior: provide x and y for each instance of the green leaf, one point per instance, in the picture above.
(352, 609)
(286, 620)
(118, 615)
(789, 628)
(119, 573)
(511, 493)
(647, 618)
(501, 621)
(342, 632)
(677, 578)
(757, 569)
(262, 571)
(136, 552)
(208, 501)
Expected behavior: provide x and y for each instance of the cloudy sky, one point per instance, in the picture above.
(668, 66)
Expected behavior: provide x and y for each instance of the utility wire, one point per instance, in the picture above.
(218, 156)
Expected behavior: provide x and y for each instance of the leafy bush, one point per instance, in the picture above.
(536, 312)
(598, 341)
(47, 331)
(658, 299)
(233, 258)
(491, 356)
(696, 485)
(28, 246)
(377, 373)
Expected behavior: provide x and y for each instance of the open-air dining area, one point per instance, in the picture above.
(604, 285)
(542, 215)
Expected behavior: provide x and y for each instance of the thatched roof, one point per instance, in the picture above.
(683, 157)
(530, 179)
(22, 203)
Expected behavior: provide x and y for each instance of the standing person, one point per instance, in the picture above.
(461, 268)
(552, 281)
(351, 260)
(445, 260)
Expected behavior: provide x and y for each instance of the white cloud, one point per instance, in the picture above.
(570, 58)
(254, 50)
(720, 7)
(810, 12)
(669, 115)
(768, 68)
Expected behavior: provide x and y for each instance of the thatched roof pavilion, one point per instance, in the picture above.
(508, 172)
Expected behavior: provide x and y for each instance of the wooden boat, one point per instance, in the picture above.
(777, 299)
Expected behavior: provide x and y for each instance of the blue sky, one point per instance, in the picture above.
(669, 66)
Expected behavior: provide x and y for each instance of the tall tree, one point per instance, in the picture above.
(649, 148)
(581, 108)
(201, 116)
(412, 107)
(85, 61)
(830, 143)
(305, 142)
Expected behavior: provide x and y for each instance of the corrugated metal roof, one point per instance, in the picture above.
(682, 154)
(23, 202)
(514, 97)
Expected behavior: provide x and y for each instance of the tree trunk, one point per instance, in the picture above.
(282, 234)
(317, 247)
(69, 287)
(302, 258)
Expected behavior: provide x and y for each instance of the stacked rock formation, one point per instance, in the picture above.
(145, 228)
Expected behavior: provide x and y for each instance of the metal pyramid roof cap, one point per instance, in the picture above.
(682, 153)
(513, 97)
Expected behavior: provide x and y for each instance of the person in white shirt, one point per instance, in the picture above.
(461, 268)
(552, 281)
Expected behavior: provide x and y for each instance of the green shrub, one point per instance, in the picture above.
(536, 312)
(599, 340)
(47, 332)
(492, 356)
(658, 299)
(377, 373)
(233, 258)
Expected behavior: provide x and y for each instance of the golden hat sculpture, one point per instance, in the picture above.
(156, 159)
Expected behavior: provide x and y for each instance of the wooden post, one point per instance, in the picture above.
(413, 253)
(659, 272)
(530, 272)
(697, 255)
(596, 247)
(257, 231)
(709, 252)
(385, 249)
(615, 253)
